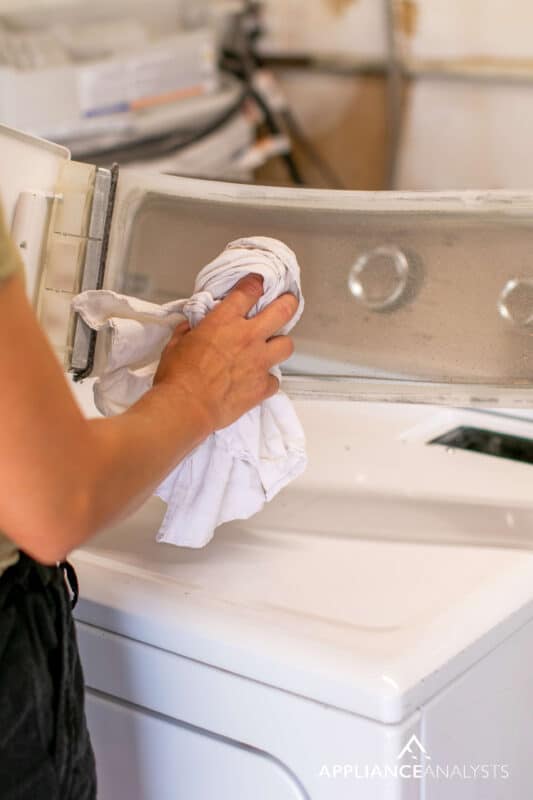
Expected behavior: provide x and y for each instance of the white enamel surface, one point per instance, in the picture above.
(30, 170)
(233, 771)
(293, 732)
(485, 718)
(328, 27)
(476, 30)
(296, 598)
(27, 164)
(481, 131)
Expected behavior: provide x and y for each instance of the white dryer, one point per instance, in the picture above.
(299, 654)
(354, 640)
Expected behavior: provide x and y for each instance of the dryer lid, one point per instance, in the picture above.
(409, 296)
(58, 212)
(29, 170)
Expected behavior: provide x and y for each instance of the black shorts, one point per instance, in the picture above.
(45, 751)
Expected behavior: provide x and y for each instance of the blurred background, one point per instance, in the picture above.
(355, 94)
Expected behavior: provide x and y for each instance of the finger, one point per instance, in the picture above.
(182, 328)
(179, 331)
(272, 386)
(241, 299)
(279, 349)
(276, 315)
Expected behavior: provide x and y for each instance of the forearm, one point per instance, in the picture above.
(63, 477)
(102, 471)
(133, 452)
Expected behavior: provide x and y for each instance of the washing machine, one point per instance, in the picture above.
(369, 634)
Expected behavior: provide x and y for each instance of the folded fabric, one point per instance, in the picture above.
(232, 473)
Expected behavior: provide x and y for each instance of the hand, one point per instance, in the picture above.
(224, 362)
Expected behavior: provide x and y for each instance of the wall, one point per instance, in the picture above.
(345, 119)
(354, 28)
(344, 115)
(22, 5)
(473, 131)
(476, 31)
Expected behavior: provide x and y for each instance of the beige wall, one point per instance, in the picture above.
(20, 5)
(461, 133)
(345, 118)
(472, 30)
(455, 134)
(470, 132)
(326, 27)
(428, 29)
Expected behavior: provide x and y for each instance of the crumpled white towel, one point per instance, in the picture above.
(237, 469)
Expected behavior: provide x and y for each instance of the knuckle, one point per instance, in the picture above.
(265, 380)
(249, 285)
(287, 304)
(272, 386)
(283, 349)
(264, 362)
(289, 346)
(227, 303)
(246, 334)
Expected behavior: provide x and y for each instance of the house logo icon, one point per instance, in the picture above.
(415, 749)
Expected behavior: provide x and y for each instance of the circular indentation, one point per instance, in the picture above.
(515, 303)
(379, 277)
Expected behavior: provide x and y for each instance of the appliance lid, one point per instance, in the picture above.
(29, 169)
(59, 212)
(28, 164)
(411, 297)
(416, 297)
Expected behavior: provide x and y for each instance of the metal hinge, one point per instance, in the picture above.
(73, 258)
(83, 338)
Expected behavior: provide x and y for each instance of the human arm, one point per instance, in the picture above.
(64, 477)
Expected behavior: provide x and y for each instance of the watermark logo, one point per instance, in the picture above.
(415, 748)
(413, 762)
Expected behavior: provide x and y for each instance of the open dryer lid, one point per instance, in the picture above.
(409, 296)
(58, 213)
(57, 210)
(29, 170)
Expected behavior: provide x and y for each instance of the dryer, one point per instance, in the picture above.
(326, 648)
(369, 633)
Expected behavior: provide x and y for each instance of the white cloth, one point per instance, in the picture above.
(237, 469)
